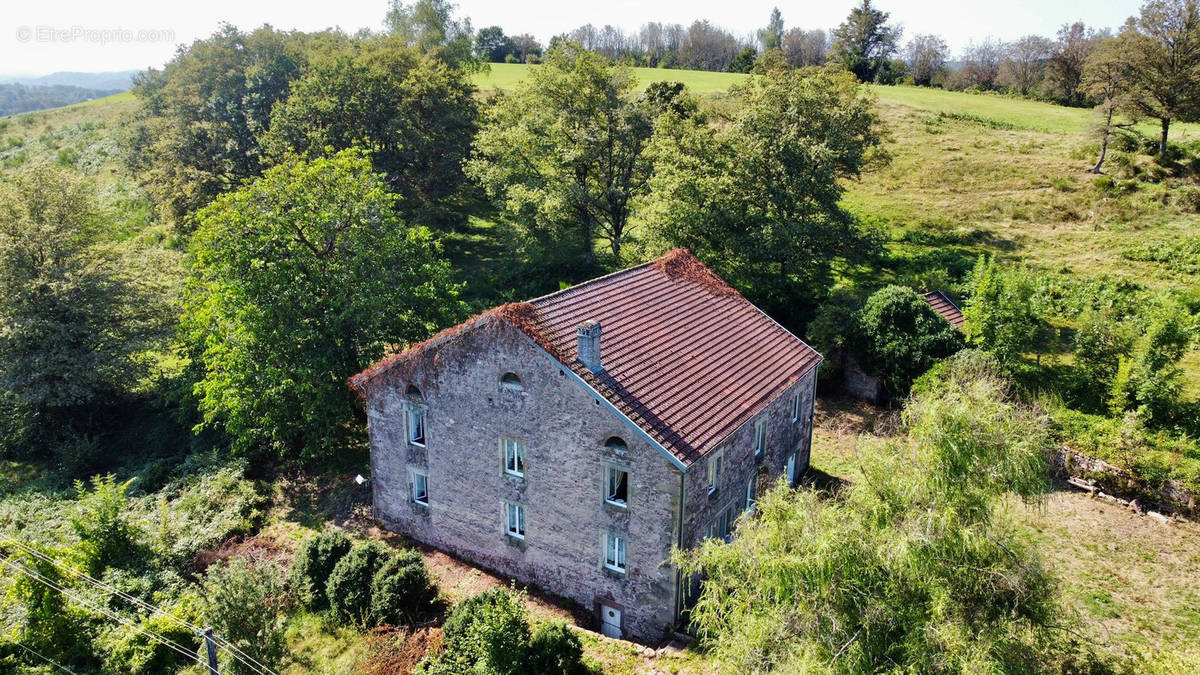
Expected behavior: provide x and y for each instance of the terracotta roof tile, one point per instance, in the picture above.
(684, 355)
(944, 306)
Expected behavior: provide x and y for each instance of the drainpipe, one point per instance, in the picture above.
(679, 545)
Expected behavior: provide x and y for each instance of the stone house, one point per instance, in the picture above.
(574, 440)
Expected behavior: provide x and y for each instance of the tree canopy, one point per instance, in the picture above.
(563, 154)
(759, 199)
(300, 279)
(898, 336)
(1162, 60)
(864, 42)
(414, 115)
(72, 320)
(915, 566)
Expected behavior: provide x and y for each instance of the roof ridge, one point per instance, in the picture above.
(584, 284)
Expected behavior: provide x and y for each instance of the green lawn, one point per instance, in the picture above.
(507, 75)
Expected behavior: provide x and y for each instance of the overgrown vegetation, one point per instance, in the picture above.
(916, 566)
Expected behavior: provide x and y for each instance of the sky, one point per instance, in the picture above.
(44, 36)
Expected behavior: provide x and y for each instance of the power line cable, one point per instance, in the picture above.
(45, 658)
(237, 654)
(36, 576)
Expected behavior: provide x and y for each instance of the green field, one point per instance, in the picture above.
(507, 75)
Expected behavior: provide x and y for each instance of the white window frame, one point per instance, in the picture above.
(715, 465)
(416, 420)
(760, 438)
(796, 407)
(414, 475)
(514, 520)
(752, 493)
(609, 472)
(516, 467)
(616, 552)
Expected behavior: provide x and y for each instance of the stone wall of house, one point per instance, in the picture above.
(739, 463)
(564, 430)
(858, 384)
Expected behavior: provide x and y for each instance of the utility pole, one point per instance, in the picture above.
(212, 651)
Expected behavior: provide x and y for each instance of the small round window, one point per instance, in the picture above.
(413, 393)
(616, 444)
(512, 382)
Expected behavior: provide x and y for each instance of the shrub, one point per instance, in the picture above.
(106, 537)
(349, 586)
(314, 563)
(401, 590)
(486, 633)
(899, 336)
(555, 649)
(245, 602)
(127, 649)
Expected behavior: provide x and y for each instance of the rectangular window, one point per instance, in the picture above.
(616, 489)
(420, 488)
(416, 426)
(514, 457)
(614, 552)
(515, 520)
(714, 472)
(719, 527)
(751, 492)
(760, 438)
(796, 408)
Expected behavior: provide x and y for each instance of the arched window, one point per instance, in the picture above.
(616, 444)
(512, 382)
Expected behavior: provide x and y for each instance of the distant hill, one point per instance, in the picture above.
(19, 98)
(112, 82)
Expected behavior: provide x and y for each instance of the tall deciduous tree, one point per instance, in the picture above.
(415, 115)
(926, 58)
(72, 322)
(300, 279)
(759, 199)
(1106, 79)
(914, 567)
(1162, 50)
(864, 42)
(430, 25)
(563, 154)
(201, 115)
(981, 64)
(1024, 63)
(803, 48)
(1064, 69)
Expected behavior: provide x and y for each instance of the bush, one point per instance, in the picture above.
(898, 336)
(555, 649)
(314, 563)
(106, 537)
(349, 586)
(401, 590)
(487, 633)
(245, 602)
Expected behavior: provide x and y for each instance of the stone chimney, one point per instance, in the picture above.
(589, 345)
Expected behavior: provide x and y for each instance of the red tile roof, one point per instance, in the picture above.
(684, 355)
(944, 306)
